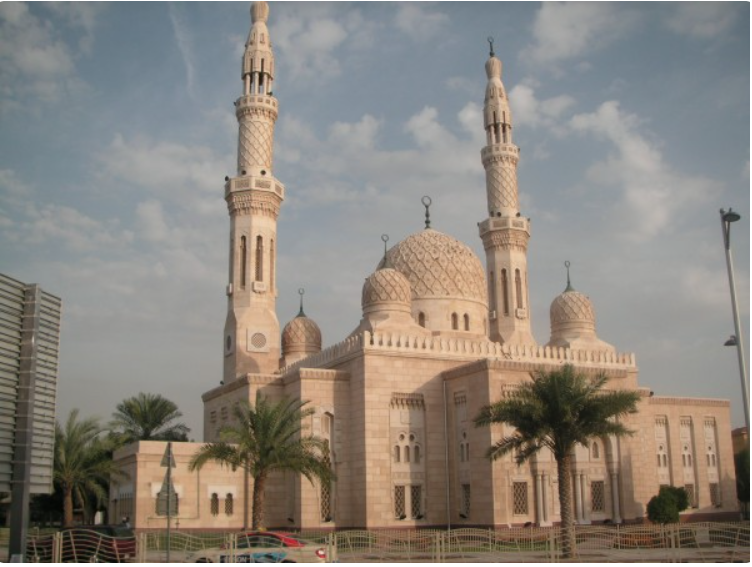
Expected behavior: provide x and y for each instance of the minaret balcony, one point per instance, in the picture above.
(247, 102)
(254, 183)
(521, 224)
(499, 150)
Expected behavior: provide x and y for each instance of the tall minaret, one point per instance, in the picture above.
(254, 196)
(505, 232)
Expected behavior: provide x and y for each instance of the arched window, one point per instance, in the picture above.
(214, 507)
(271, 264)
(396, 453)
(665, 461)
(467, 322)
(518, 288)
(243, 260)
(596, 451)
(491, 291)
(684, 460)
(422, 319)
(455, 322)
(407, 454)
(259, 259)
(229, 504)
(416, 455)
(467, 451)
(505, 291)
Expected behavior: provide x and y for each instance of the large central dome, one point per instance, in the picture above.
(439, 266)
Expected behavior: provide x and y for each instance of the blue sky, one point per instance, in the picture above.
(117, 129)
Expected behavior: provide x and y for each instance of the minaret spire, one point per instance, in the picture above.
(254, 197)
(505, 233)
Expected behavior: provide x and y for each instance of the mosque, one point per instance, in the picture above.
(441, 335)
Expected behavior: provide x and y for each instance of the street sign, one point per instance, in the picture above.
(168, 460)
(167, 494)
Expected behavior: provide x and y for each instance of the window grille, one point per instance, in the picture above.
(326, 502)
(415, 500)
(229, 505)
(466, 499)
(214, 507)
(715, 495)
(399, 502)
(519, 496)
(598, 496)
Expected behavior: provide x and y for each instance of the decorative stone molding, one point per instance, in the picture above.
(506, 240)
(407, 400)
(254, 203)
(714, 402)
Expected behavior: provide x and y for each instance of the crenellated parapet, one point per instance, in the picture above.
(465, 349)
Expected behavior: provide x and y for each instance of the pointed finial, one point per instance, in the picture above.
(427, 203)
(569, 283)
(301, 291)
(385, 239)
(490, 44)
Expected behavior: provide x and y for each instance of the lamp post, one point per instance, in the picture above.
(727, 217)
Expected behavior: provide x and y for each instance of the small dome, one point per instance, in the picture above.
(386, 286)
(301, 335)
(439, 266)
(571, 306)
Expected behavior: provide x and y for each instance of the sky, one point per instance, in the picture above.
(117, 129)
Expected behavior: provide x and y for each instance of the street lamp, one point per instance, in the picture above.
(727, 217)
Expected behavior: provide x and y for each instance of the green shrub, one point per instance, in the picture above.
(662, 509)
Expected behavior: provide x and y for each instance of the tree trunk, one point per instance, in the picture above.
(67, 506)
(568, 542)
(258, 502)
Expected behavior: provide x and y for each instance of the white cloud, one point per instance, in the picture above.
(165, 167)
(151, 223)
(418, 22)
(564, 31)
(702, 20)
(650, 189)
(183, 39)
(355, 136)
(531, 112)
(35, 62)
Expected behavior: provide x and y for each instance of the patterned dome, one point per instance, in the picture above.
(439, 266)
(301, 333)
(571, 307)
(386, 286)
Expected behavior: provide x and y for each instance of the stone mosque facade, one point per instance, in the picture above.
(441, 335)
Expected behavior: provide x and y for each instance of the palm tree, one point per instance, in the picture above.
(558, 410)
(148, 417)
(82, 466)
(264, 438)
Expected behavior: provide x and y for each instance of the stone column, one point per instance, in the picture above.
(615, 497)
(539, 497)
(578, 498)
(585, 500)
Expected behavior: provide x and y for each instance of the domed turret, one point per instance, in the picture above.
(386, 290)
(573, 321)
(301, 337)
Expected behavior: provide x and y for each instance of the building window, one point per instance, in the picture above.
(598, 496)
(455, 322)
(505, 291)
(467, 322)
(465, 509)
(595, 451)
(518, 288)
(243, 260)
(422, 319)
(519, 498)
(259, 259)
(416, 497)
(271, 264)
(491, 291)
(715, 495)
(407, 454)
(397, 453)
(416, 455)
(214, 506)
(229, 505)
(399, 502)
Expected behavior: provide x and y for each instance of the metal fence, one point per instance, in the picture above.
(691, 542)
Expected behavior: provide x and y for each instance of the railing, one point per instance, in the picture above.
(691, 542)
